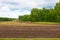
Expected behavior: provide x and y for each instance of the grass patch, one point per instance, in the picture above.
(29, 38)
(47, 22)
(10, 23)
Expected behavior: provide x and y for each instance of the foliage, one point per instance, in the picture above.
(6, 19)
(24, 18)
(43, 15)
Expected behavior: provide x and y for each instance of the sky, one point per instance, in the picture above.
(14, 8)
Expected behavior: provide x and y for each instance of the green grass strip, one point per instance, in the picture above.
(29, 38)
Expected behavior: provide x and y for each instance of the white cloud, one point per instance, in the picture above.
(14, 8)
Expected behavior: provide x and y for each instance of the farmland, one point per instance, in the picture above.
(29, 38)
(29, 30)
(41, 23)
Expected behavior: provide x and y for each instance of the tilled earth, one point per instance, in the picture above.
(12, 31)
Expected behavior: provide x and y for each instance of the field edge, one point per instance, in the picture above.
(29, 38)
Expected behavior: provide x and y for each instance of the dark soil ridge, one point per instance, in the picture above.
(12, 31)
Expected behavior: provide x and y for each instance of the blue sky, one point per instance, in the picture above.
(14, 8)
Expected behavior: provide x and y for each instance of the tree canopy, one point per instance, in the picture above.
(43, 15)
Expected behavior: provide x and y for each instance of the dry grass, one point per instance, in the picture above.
(28, 23)
(19, 23)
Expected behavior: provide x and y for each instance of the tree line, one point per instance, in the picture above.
(43, 15)
(6, 19)
(40, 15)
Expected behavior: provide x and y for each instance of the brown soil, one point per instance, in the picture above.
(42, 31)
